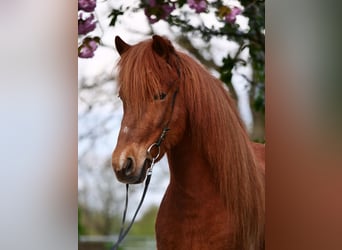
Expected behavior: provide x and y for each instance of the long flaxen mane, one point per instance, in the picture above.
(215, 126)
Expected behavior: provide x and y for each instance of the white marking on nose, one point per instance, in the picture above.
(125, 130)
(122, 160)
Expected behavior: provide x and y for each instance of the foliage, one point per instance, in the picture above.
(145, 226)
(91, 222)
(252, 39)
(81, 228)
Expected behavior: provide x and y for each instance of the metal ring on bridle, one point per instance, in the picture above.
(150, 148)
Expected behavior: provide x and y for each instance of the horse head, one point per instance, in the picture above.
(149, 81)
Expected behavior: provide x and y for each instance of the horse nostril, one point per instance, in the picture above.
(128, 167)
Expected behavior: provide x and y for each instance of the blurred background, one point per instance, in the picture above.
(227, 37)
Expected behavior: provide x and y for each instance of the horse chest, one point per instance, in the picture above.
(183, 223)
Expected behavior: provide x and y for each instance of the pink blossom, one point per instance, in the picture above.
(87, 5)
(156, 11)
(198, 5)
(87, 25)
(86, 50)
(231, 17)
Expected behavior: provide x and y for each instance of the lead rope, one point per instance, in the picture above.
(123, 232)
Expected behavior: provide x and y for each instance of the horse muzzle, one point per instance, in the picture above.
(129, 172)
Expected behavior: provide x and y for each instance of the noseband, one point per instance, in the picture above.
(155, 145)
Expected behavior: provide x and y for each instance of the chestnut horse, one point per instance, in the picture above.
(215, 198)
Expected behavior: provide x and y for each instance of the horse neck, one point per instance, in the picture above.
(190, 173)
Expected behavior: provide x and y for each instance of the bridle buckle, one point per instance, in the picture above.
(149, 153)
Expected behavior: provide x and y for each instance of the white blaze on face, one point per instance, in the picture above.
(125, 130)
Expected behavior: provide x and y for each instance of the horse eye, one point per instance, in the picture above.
(160, 97)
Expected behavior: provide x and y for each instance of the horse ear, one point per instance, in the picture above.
(162, 46)
(121, 46)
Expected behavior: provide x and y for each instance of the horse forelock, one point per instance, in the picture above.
(142, 74)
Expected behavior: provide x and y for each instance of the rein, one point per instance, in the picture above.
(124, 232)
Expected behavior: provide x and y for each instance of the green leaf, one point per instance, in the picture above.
(114, 14)
(181, 3)
(259, 104)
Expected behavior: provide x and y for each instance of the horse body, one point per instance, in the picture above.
(215, 199)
